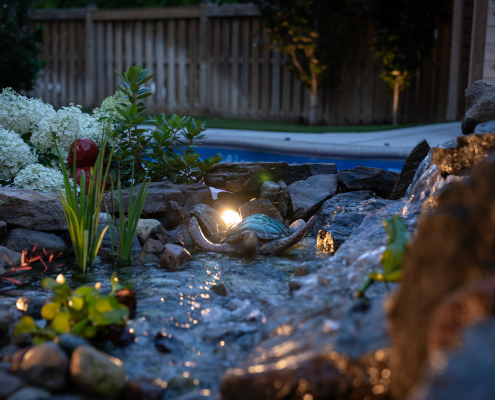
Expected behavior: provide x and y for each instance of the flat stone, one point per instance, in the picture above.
(3, 229)
(269, 190)
(174, 257)
(30, 393)
(413, 161)
(176, 215)
(144, 228)
(13, 256)
(380, 181)
(480, 100)
(260, 206)
(210, 221)
(453, 246)
(306, 196)
(96, 373)
(301, 172)
(28, 209)
(469, 154)
(9, 384)
(45, 365)
(22, 239)
(244, 176)
(342, 226)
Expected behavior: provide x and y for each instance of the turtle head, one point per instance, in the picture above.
(250, 244)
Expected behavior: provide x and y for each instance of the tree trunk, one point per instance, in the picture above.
(396, 102)
(313, 107)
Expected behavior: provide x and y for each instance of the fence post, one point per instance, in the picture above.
(90, 56)
(203, 56)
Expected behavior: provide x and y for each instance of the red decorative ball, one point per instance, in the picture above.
(87, 153)
(87, 176)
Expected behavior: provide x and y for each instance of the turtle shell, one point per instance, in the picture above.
(266, 228)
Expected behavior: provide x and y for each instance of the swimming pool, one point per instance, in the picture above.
(236, 155)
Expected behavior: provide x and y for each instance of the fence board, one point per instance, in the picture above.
(119, 54)
(72, 62)
(128, 45)
(171, 99)
(109, 67)
(63, 63)
(265, 80)
(81, 63)
(234, 78)
(245, 64)
(215, 66)
(100, 64)
(160, 67)
(193, 66)
(181, 60)
(149, 59)
(255, 69)
(224, 77)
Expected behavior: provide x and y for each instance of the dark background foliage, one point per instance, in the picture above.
(19, 46)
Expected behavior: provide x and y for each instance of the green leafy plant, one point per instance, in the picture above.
(84, 312)
(82, 213)
(127, 226)
(166, 152)
(393, 256)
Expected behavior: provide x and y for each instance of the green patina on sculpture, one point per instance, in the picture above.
(256, 234)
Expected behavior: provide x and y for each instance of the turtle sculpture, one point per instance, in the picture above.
(256, 234)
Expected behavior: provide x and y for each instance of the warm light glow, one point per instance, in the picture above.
(231, 217)
(98, 285)
(21, 304)
(60, 279)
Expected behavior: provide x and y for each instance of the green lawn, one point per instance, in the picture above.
(281, 126)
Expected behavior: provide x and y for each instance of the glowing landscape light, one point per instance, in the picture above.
(231, 217)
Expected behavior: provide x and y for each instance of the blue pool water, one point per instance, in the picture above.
(235, 155)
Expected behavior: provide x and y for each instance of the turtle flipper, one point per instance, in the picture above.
(199, 239)
(276, 246)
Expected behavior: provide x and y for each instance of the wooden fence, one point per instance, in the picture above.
(211, 60)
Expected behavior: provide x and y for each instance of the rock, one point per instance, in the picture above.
(364, 201)
(209, 220)
(30, 393)
(3, 229)
(480, 98)
(126, 297)
(232, 201)
(9, 384)
(342, 226)
(45, 365)
(382, 182)
(17, 358)
(244, 176)
(22, 239)
(28, 209)
(144, 228)
(139, 389)
(176, 215)
(69, 342)
(463, 373)
(153, 246)
(269, 190)
(174, 257)
(301, 172)
(469, 154)
(452, 246)
(485, 127)
(260, 206)
(160, 193)
(306, 196)
(283, 199)
(413, 161)
(308, 267)
(179, 235)
(220, 289)
(96, 373)
(13, 256)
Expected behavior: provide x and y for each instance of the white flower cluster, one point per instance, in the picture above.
(14, 154)
(39, 178)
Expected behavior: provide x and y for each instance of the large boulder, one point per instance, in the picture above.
(306, 196)
(25, 239)
(480, 101)
(13, 256)
(210, 221)
(301, 172)
(413, 161)
(454, 245)
(382, 182)
(31, 210)
(260, 206)
(160, 193)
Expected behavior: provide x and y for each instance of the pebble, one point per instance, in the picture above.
(174, 257)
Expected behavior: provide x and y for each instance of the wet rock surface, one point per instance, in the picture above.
(260, 206)
(480, 97)
(342, 226)
(301, 172)
(144, 229)
(211, 222)
(413, 161)
(28, 209)
(176, 215)
(174, 257)
(25, 239)
(306, 196)
(269, 190)
(380, 181)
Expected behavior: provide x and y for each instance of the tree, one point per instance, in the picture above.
(311, 34)
(19, 46)
(404, 34)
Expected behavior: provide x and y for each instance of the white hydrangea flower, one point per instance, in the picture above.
(21, 114)
(40, 178)
(14, 154)
(107, 109)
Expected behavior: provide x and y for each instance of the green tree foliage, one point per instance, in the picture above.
(19, 46)
(312, 35)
